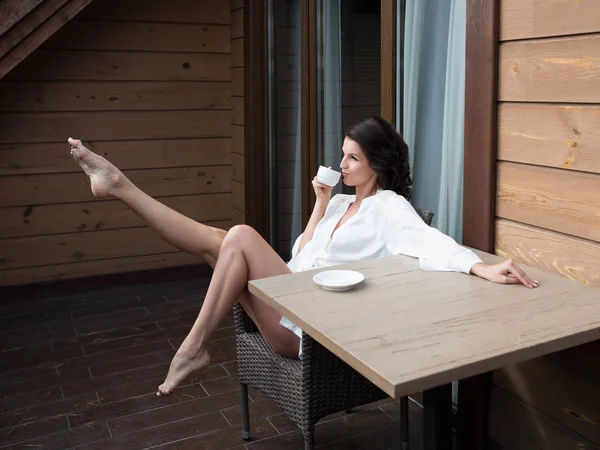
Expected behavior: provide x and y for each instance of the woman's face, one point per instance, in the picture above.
(356, 169)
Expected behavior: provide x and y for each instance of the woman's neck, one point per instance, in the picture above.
(364, 191)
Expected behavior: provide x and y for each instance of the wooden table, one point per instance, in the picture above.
(408, 330)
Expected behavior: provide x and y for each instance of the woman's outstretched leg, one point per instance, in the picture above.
(244, 256)
(175, 228)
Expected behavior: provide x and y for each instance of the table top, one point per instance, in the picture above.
(407, 329)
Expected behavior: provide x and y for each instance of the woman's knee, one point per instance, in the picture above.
(240, 234)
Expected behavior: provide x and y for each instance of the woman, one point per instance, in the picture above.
(377, 221)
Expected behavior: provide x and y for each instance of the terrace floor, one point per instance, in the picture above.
(81, 371)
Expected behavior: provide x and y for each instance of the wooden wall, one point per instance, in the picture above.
(146, 83)
(548, 203)
(237, 111)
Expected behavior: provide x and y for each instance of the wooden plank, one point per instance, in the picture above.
(237, 52)
(237, 139)
(523, 19)
(33, 40)
(92, 246)
(516, 426)
(237, 164)
(554, 199)
(114, 96)
(58, 272)
(74, 187)
(27, 23)
(237, 110)
(550, 135)
(237, 196)
(577, 259)
(12, 11)
(160, 11)
(237, 217)
(568, 396)
(114, 66)
(18, 159)
(147, 36)
(236, 4)
(112, 125)
(237, 81)
(237, 23)
(105, 215)
(551, 70)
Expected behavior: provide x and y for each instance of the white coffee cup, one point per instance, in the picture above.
(328, 176)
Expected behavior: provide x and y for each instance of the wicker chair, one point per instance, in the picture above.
(308, 389)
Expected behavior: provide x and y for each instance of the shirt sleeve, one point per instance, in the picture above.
(407, 234)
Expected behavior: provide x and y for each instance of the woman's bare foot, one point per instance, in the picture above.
(104, 176)
(182, 365)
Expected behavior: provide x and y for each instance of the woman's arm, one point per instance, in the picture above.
(323, 193)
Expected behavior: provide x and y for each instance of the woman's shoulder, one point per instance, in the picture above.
(391, 199)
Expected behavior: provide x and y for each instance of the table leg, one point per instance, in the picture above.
(438, 418)
(404, 423)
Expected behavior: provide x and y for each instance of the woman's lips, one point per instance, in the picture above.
(344, 174)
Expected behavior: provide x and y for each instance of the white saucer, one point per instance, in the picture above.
(338, 280)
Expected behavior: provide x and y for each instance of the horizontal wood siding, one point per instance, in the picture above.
(548, 197)
(237, 111)
(145, 83)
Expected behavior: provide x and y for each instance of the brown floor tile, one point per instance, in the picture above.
(132, 405)
(30, 429)
(132, 341)
(33, 337)
(51, 380)
(224, 439)
(200, 405)
(136, 362)
(123, 307)
(66, 439)
(31, 399)
(263, 408)
(282, 423)
(215, 387)
(163, 434)
(104, 322)
(119, 333)
(186, 295)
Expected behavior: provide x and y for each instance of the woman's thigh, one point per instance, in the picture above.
(264, 262)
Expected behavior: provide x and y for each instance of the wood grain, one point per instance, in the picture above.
(237, 195)
(74, 187)
(23, 159)
(237, 139)
(134, 36)
(106, 215)
(568, 396)
(564, 136)
(551, 70)
(114, 66)
(554, 199)
(237, 23)
(20, 21)
(452, 326)
(574, 258)
(58, 272)
(12, 11)
(112, 125)
(22, 96)
(95, 245)
(183, 11)
(237, 110)
(237, 81)
(237, 52)
(53, 22)
(523, 19)
(237, 165)
(515, 426)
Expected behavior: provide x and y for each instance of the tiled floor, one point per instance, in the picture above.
(80, 371)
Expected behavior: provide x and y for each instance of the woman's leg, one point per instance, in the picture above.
(244, 256)
(175, 228)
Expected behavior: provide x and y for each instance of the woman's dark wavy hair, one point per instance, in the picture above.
(386, 152)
